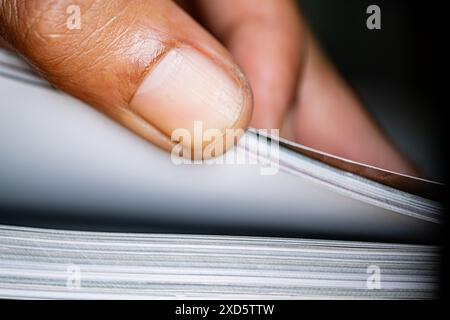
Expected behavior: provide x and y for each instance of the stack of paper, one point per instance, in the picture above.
(39, 263)
(65, 166)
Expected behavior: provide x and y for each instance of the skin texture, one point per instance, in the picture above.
(120, 42)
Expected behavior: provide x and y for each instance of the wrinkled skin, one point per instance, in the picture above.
(294, 86)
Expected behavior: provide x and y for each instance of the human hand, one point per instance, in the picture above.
(153, 68)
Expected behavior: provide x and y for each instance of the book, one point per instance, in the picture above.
(47, 263)
(85, 201)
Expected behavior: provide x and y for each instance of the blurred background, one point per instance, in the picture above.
(396, 71)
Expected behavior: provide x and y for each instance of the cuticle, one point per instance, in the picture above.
(229, 68)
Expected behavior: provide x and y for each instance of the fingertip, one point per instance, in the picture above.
(188, 91)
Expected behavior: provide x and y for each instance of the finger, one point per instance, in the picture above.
(5, 45)
(329, 117)
(145, 63)
(265, 37)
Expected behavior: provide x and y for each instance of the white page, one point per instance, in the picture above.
(58, 153)
(96, 265)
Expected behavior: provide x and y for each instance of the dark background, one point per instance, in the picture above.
(396, 71)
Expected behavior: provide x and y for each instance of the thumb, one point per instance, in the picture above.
(146, 64)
